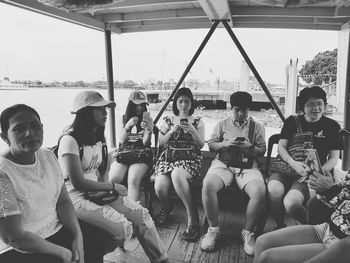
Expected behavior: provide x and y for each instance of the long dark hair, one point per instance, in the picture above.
(183, 92)
(83, 128)
(131, 112)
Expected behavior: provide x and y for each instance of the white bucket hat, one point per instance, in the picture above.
(90, 98)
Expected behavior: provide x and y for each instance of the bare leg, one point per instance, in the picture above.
(293, 202)
(179, 177)
(272, 246)
(136, 172)
(212, 184)
(256, 205)
(275, 194)
(117, 172)
(162, 185)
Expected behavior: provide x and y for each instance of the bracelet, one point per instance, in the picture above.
(113, 187)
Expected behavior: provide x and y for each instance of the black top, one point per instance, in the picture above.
(325, 134)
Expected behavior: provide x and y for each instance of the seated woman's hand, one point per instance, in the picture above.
(188, 128)
(131, 123)
(120, 189)
(300, 168)
(147, 125)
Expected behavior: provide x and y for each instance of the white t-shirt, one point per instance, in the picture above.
(32, 191)
(92, 158)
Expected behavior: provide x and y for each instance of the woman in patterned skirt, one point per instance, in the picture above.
(176, 167)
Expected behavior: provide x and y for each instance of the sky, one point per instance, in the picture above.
(37, 47)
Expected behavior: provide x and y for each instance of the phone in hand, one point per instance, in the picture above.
(240, 139)
(146, 115)
(183, 121)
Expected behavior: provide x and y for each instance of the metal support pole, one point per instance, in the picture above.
(346, 156)
(188, 68)
(110, 88)
(252, 68)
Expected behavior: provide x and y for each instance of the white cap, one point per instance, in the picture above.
(90, 98)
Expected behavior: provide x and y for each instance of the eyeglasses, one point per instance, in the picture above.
(318, 104)
(240, 109)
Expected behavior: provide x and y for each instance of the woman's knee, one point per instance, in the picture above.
(275, 190)
(139, 214)
(179, 178)
(162, 184)
(291, 203)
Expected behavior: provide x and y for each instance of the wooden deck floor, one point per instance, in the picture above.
(230, 248)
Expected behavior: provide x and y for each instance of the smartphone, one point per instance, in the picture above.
(184, 121)
(240, 139)
(146, 115)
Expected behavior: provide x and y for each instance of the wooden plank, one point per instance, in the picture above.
(229, 245)
(182, 250)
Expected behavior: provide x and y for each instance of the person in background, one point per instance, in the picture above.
(220, 175)
(135, 169)
(322, 243)
(180, 171)
(288, 193)
(37, 219)
(80, 155)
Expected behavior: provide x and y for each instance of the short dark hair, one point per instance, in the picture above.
(241, 99)
(183, 92)
(311, 92)
(11, 111)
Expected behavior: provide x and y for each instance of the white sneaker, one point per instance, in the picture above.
(248, 239)
(210, 238)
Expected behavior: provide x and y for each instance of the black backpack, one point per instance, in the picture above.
(103, 166)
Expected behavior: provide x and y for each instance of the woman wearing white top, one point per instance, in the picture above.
(118, 216)
(37, 219)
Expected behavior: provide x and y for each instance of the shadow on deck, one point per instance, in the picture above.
(230, 248)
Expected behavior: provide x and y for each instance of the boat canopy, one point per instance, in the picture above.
(126, 16)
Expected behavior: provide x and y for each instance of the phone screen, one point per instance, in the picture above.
(146, 115)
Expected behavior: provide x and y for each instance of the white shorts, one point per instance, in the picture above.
(325, 235)
(228, 174)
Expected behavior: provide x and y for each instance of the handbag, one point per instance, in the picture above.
(101, 198)
(297, 149)
(133, 151)
(181, 150)
(235, 156)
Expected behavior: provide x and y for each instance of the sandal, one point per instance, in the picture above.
(191, 234)
(162, 216)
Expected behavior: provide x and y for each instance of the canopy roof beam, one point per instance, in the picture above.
(75, 18)
(217, 10)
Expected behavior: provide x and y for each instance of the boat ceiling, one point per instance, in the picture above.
(126, 16)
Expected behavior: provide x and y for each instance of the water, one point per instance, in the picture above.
(54, 106)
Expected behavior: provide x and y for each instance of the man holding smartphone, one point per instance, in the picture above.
(235, 130)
